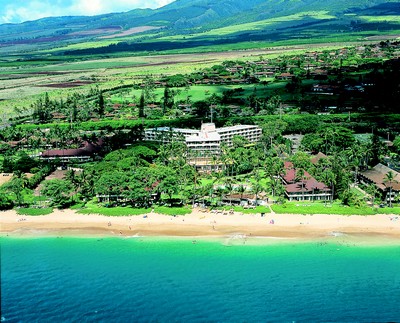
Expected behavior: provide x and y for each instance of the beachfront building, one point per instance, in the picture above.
(208, 139)
(249, 132)
(206, 142)
(85, 153)
(67, 155)
(306, 188)
(378, 176)
(167, 134)
(204, 145)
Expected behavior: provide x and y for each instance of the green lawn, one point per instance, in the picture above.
(389, 210)
(114, 211)
(335, 208)
(257, 209)
(357, 192)
(93, 208)
(34, 211)
(172, 210)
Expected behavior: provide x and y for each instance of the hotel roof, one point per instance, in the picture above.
(377, 175)
(309, 186)
(204, 136)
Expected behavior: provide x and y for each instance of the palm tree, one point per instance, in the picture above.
(300, 176)
(326, 133)
(220, 192)
(241, 189)
(273, 184)
(389, 178)
(366, 155)
(256, 189)
(214, 160)
(328, 177)
(86, 181)
(207, 190)
(373, 191)
(164, 154)
(229, 188)
(357, 157)
(17, 185)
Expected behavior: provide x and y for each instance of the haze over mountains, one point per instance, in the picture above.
(231, 20)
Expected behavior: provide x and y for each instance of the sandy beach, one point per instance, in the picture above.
(199, 224)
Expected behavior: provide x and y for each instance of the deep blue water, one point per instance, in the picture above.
(142, 280)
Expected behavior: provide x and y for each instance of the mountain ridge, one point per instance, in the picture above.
(186, 17)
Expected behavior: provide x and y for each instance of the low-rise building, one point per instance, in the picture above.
(306, 188)
(378, 176)
(83, 154)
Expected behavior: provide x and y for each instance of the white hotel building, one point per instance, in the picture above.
(204, 143)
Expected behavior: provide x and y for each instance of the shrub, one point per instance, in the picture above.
(5, 202)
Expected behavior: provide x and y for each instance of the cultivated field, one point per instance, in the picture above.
(23, 82)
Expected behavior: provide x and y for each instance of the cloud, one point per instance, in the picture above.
(88, 7)
(22, 10)
(16, 12)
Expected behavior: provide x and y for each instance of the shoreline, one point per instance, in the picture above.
(278, 227)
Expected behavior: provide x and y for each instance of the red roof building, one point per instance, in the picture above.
(304, 188)
(82, 154)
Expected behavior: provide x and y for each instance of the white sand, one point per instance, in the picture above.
(197, 224)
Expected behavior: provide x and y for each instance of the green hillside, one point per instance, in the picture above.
(187, 26)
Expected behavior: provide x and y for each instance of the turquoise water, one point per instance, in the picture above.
(142, 280)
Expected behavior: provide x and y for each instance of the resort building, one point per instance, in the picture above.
(208, 140)
(67, 155)
(78, 155)
(306, 188)
(378, 176)
(205, 144)
(167, 134)
(248, 132)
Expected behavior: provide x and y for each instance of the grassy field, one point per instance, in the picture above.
(254, 26)
(289, 207)
(92, 208)
(202, 92)
(113, 211)
(257, 209)
(389, 210)
(388, 18)
(172, 210)
(34, 211)
(23, 82)
(335, 208)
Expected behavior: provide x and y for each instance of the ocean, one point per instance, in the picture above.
(51, 279)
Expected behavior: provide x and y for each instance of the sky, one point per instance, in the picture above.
(16, 11)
